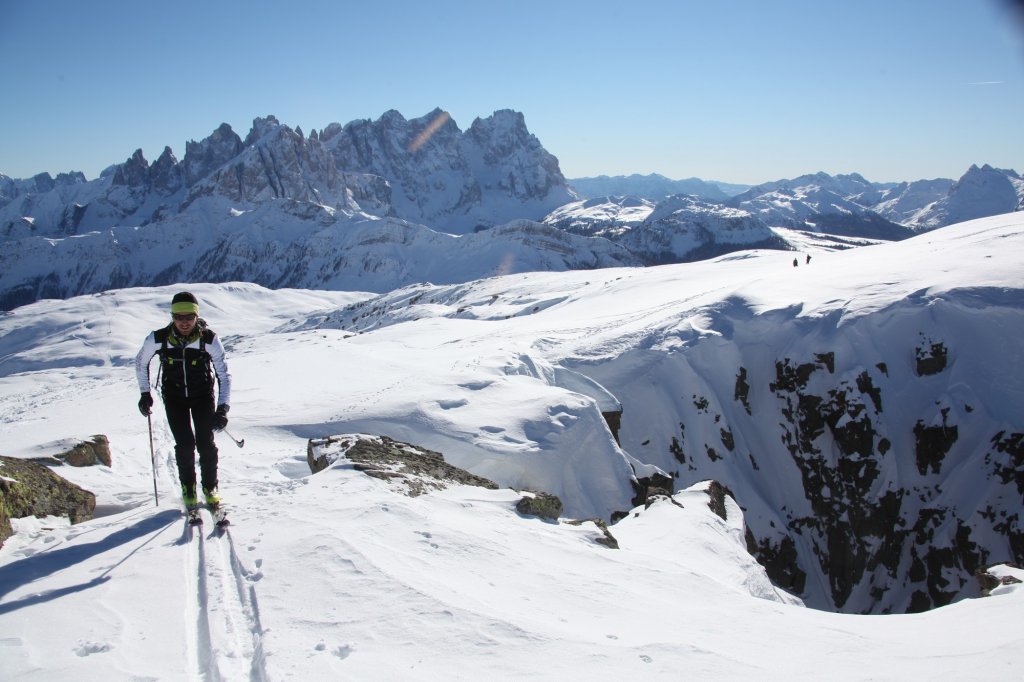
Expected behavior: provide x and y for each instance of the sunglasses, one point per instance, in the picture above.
(184, 317)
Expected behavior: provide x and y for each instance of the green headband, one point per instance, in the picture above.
(184, 307)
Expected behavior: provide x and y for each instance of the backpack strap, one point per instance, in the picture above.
(161, 335)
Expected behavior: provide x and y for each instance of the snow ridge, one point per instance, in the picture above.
(335, 575)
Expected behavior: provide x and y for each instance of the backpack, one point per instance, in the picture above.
(184, 372)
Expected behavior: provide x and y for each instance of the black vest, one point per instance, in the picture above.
(185, 372)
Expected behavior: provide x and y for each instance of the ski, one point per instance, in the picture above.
(193, 517)
(219, 514)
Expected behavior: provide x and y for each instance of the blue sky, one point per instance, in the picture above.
(734, 90)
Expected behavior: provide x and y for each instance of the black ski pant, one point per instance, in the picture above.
(182, 413)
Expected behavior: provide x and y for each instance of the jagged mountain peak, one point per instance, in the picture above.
(262, 127)
(502, 120)
(976, 174)
(202, 158)
(133, 171)
(391, 117)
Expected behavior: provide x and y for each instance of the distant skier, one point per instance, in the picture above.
(187, 349)
(796, 263)
(808, 259)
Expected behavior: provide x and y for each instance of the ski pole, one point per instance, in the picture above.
(237, 442)
(152, 458)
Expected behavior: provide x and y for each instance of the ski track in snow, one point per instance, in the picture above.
(223, 611)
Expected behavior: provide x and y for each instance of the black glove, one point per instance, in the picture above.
(145, 403)
(220, 418)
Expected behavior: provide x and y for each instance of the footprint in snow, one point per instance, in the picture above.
(427, 536)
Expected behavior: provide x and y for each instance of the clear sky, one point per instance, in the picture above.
(741, 91)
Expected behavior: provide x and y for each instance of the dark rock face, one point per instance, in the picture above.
(614, 421)
(133, 172)
(647, 487)
(859, 529)
(716, 499)
(31, 489)
(931, 358)
(780, 561)
(932, 444)
(1007, 459)
(871, 482)
(742, 393)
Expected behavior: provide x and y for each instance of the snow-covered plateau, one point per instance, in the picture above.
(863, 411)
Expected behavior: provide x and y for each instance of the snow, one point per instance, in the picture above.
(339, 576)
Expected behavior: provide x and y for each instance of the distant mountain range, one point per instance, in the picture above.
(652, 187)
(828, 203)
(375, 205)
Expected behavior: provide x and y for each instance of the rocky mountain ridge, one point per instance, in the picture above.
(354, 206)
(843, 204)
(424, 170)
(284, 209)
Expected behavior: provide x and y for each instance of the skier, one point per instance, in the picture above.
(187, 348)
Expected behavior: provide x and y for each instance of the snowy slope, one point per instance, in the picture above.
(337, 575)
(592, 216)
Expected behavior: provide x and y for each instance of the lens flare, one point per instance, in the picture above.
(429, 131)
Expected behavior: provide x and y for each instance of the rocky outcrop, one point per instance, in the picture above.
(84, 454)
(544, 505)
(993, 578)
(416, 470)
(647, 487)
(413, 470)
(31, 489)
(606, 539)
